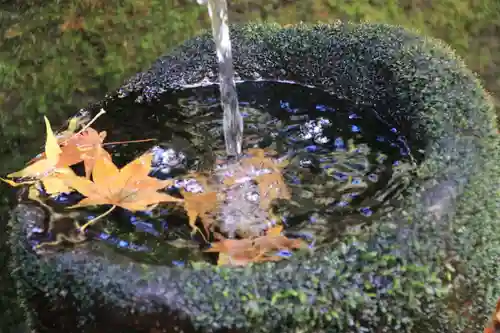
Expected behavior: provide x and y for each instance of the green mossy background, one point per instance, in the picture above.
(58, 55)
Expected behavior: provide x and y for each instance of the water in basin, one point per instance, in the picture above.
(344, 165)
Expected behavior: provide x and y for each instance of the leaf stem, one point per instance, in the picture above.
(94, 220)
(123, 142)
(101, 112)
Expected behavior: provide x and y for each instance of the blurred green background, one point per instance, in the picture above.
(58, 55)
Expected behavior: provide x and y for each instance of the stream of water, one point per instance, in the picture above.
(233, 121)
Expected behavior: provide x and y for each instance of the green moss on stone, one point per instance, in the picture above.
(411, 271)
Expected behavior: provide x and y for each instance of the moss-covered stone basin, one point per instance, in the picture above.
(430, 266)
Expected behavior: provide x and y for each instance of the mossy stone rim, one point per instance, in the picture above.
(391, 276)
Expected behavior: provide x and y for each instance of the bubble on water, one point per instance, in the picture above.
(349, 196)
(366, 211)
(305, 163)
(145, 227)
(321, 139)
(104, 236)
(252, 196)
(164, 160)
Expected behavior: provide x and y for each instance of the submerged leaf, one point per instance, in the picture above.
(271, 186)
(257, 158)
(238, 252)
(200, 205)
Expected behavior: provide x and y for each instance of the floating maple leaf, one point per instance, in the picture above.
(45, 169)
(82, 147)
(75, 147)
(54, 183)
(257, 158)
(67, 149)
(46, 164)
(130, 187)
(239, 252)
(49, 166)
(275, 240)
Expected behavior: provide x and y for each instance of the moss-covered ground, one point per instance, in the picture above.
(56, 56)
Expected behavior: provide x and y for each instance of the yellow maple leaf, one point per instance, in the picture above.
(45, 165)
(44, 169)
(130, 187)
(54, 183)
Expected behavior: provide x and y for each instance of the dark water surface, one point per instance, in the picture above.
(347, 165)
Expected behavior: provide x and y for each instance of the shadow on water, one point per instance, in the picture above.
(346, 165)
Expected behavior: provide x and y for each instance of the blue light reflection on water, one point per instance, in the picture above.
(392, 139)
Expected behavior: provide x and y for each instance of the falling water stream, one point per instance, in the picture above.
(233, 121)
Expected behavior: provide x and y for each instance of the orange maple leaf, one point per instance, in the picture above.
(257, 157)
(239, 252)
(130, 187)
(84, 147)
(274, 240)
(73, 147)
(81, 146)
(55, 156)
